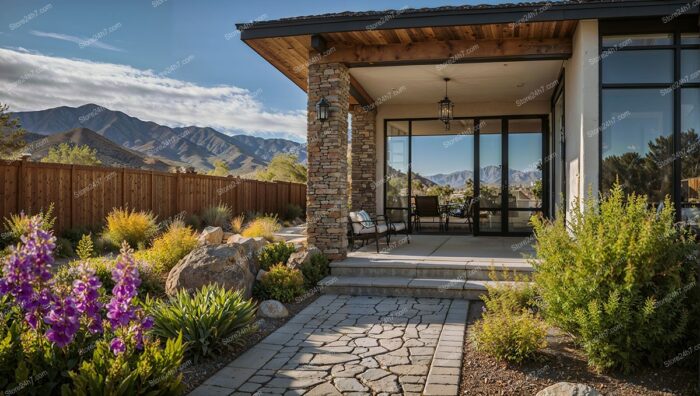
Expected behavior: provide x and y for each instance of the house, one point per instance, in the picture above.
(558, 99)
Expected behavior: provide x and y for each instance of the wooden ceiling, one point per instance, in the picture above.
(290, 54)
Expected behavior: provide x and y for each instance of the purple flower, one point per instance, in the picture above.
(86, 292)
(64, 319)
(27, 272)
(121, 309)
(117, 346)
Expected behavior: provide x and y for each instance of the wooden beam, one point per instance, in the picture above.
(450, 51)
(359, 93)
(318, 43)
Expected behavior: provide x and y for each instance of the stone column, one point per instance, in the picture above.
(327, 146)
(364, 160)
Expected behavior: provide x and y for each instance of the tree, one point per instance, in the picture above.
(11, 135)
(220, 168)
(283, 167)
(66, 153)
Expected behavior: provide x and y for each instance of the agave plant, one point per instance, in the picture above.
(211, 320)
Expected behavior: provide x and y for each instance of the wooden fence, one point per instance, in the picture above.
(84, 195)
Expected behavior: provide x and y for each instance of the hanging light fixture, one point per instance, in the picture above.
(445, 108)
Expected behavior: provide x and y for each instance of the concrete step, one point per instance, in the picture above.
(477, 270)
(407, 286)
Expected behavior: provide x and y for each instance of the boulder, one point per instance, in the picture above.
(260, 275)
(252, 247)
(301, 256)
(211, 236)
(272, 309)
(568, 389)
(226, 265)
(226, 236)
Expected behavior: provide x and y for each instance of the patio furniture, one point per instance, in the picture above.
(362, 227)
(466, 212)
(428, 206)
(397, 227)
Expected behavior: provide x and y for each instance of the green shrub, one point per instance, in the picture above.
(211, 320)
(265, 227)
(85, 248)
(292, 212)
(64, 248)
(217, 216)
(315, 269)
(616, 277)
(507, 330)
(136, 228)
(152, 283)
(275, 253)
(18, 225)
(169, 248)
(282, 283)
(193, 221)
(152, 371)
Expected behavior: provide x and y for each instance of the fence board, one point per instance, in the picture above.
(84, 195)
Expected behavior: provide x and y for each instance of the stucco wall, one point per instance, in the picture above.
(582, 113)
(389, 111)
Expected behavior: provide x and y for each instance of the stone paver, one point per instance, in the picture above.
(344, 345)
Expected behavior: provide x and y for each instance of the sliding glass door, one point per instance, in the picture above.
(496, 162)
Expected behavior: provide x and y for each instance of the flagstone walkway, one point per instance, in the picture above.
(344, 345)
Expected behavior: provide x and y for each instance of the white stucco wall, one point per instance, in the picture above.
(389, 111)
(582, 119)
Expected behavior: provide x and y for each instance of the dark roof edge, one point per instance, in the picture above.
(462, 16)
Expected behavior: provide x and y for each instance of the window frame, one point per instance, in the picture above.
(687, 24)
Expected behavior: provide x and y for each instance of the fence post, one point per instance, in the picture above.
(177, 191)
(123, 187)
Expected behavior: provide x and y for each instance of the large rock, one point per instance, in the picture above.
(252, 248)
(568, 389)
(226, 265)
(272, 309)
(301, 256)
(211, 236)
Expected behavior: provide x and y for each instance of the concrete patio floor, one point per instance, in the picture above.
(354, 345)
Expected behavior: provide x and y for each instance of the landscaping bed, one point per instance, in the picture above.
(195, 374)
(561, 361)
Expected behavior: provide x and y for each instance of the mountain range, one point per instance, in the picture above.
(488, 175)
(149, 145)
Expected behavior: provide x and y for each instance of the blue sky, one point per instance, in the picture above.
(141, 57)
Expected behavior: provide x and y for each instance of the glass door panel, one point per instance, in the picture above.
(525, 172)
(396, 186)
(490, 175)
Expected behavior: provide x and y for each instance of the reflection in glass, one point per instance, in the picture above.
(519, 221)
(690, 66)
(638, 40)
(490, 162)
(490, 221)
(637, 141)
(690, 155)
(647, 66)
(525, 163)
(690, 38)
(397, 158)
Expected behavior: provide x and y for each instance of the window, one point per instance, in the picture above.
(650, 116)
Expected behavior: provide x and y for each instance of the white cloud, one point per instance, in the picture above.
(82, 42)
(30, 81)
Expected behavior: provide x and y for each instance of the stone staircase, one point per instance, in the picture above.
(465, 279)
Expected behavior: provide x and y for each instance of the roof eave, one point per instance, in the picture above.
(476, 16)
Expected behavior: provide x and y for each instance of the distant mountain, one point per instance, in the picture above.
(488, 175)
(195, 146)
(108, 152)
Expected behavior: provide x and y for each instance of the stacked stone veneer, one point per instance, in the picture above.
(364, 160)
(327, 186)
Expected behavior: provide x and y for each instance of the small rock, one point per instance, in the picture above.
(272, 309)
(260, 275)
(211, 236)
(568, 389)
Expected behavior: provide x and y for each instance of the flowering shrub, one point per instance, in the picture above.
(151, 281)
(18, 224)
(282, 283)
(169, 248)
(265, 227)
(49, 327)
